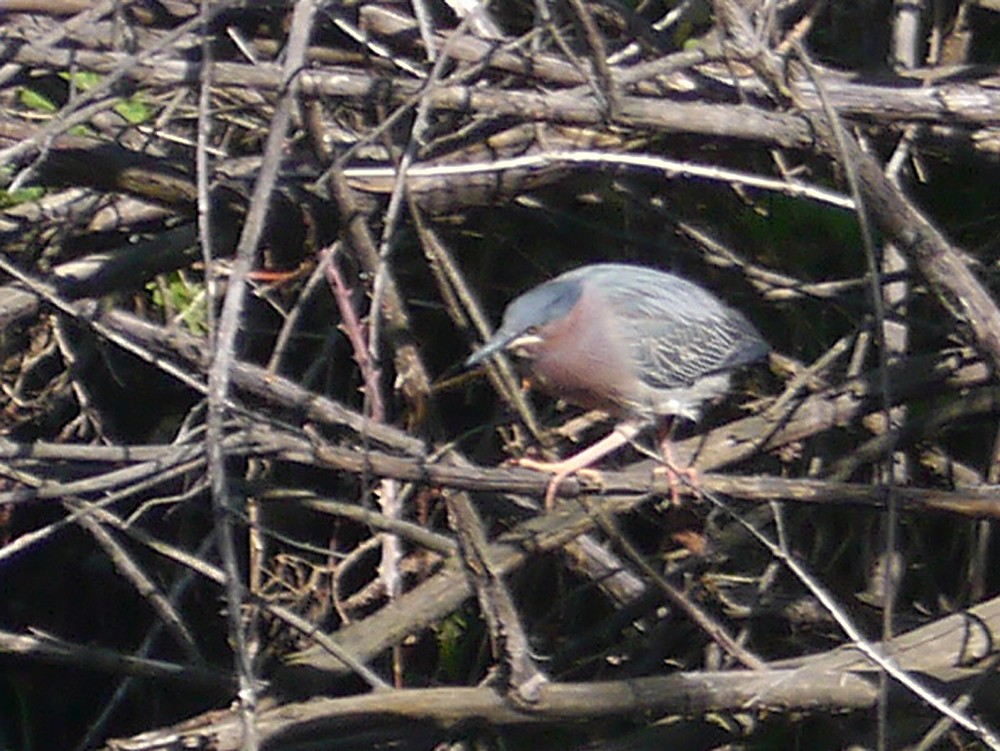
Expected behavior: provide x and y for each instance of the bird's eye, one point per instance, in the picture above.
(531, 330)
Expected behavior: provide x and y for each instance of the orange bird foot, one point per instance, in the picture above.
(560, 471)
(674, 475)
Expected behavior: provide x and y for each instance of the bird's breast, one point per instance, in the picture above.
(586, 361)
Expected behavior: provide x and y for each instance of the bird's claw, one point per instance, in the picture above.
(674, 475)
(539, 465)
(559, 473)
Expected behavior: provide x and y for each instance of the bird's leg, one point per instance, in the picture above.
(673, 473)
(623, 433)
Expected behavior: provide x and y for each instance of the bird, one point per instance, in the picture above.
(643, 345)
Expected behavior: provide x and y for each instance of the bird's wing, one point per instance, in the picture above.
(680, 332)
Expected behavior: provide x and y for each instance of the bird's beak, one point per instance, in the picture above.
(502, 341)
(499, 342)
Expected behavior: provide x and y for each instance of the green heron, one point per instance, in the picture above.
(637, 343)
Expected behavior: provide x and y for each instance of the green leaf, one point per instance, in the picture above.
(37, 101)
(451, 633)
(134, 111)
(84, 80)
(176, 295)
(19, 196)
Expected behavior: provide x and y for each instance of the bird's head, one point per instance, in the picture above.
(528, 320)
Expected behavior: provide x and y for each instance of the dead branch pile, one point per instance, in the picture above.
(246, 248)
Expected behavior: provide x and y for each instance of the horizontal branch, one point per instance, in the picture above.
(966, 103)
(946, 649)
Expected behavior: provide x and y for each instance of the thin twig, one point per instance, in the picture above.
(219, 374)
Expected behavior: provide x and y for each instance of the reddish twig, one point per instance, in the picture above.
(352, 328)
